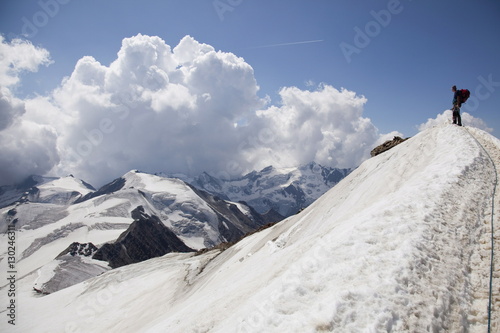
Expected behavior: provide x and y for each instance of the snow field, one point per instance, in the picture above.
(393, 263)
(400, 245)
(53, 191)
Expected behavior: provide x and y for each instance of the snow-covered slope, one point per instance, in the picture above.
(285, 190)
(399, 245)
(61, 191)
(44, 189)
(60, 212)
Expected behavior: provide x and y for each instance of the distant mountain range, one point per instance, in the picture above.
(285, 190)
(72, 232)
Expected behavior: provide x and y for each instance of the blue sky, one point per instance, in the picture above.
(403, 56)
(405, 71)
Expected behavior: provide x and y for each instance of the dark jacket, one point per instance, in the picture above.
(457, 98)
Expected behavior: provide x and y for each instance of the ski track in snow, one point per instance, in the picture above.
(401, 245)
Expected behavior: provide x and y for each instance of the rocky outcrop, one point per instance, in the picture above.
(86, 250)
(387, 145)
(72, 266)
(114, 186)
(146, 238)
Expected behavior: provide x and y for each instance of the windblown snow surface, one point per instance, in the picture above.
(400, 245)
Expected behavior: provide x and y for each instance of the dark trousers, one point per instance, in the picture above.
(456, 116)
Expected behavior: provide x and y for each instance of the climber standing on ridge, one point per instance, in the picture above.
(457, 103)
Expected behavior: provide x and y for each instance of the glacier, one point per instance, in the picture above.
(52, 214)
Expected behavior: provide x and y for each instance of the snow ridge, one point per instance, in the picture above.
(489, 241)
(399, 245)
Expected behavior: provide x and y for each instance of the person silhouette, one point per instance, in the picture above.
(457, 103)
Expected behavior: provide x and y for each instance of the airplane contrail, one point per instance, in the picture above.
(291, 43)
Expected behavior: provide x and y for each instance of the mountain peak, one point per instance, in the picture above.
(285, 190)
(267, 169)
(56, 190)
(147, 237)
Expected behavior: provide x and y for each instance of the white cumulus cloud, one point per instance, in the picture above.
(26, 147)
(186, 109)
(16, 57)
(19, 56)
(446, 117)
(325, 125)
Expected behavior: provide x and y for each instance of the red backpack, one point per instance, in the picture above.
(464, 95)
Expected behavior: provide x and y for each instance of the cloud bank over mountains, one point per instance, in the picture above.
(184, 109)
(26, 146)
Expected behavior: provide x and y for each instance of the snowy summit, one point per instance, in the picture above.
(402, 244)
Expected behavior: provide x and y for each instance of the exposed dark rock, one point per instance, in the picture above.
(333, 176)
(146, 238)
(297, 193)
(387, 145)
(114, 186)
(86, 250)
(41, 292)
